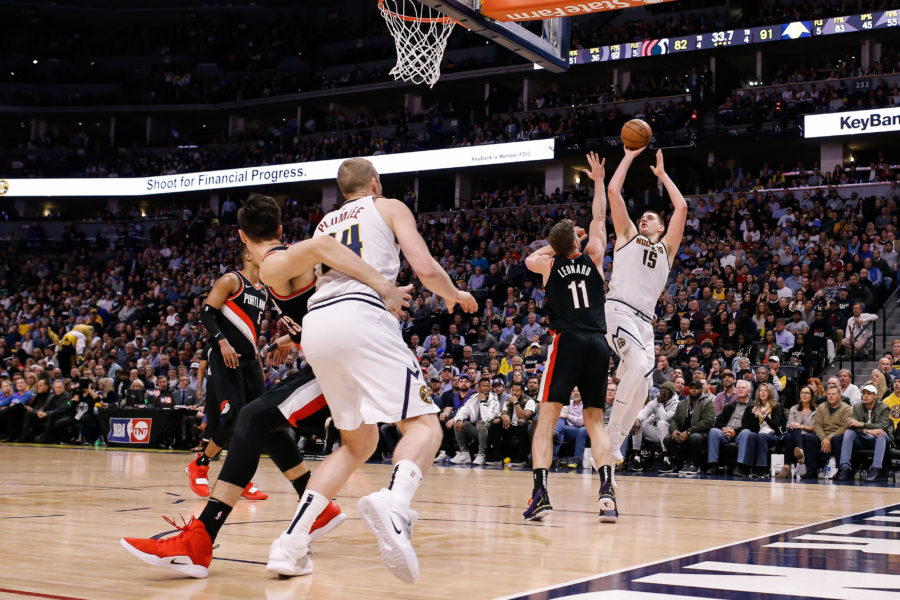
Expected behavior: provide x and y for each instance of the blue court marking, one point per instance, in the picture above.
(845, 558)
(132, 509)
(33, 516)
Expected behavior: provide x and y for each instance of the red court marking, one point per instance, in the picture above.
(39, 595)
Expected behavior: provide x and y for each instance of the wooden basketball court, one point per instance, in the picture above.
(63, 511)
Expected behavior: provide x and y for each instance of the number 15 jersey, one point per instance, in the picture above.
(575, 296)
(358, 225)
(640, 271)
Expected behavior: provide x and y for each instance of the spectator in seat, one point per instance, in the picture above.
(44, 417)
(893, 403)
(860, 331)
(688, 430)
(848, 389)
(731, 428)
(830, 422)
(769, 348)
(868, 427)
(478, 418)
(768, 427)
(570, 427)
(783, 337)
(452, 401)
(516, 417)
(801, 445)
(663, 372)
(652, 423)
(728, 393)
(42, 394)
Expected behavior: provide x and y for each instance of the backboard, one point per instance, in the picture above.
(549, 49)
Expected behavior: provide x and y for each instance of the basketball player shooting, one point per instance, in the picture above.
(578, 355)
(642, 259)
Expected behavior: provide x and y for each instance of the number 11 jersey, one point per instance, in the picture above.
(358, 225)
(640, 272)
(575, 296)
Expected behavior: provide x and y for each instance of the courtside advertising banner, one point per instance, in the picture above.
(407, 162)
(855, 122)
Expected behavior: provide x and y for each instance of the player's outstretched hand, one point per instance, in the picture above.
(632, 154)
(465, 301)
(395, 298)
(597, 170)
(659, 170)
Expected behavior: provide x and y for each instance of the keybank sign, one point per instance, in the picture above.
(852, 123)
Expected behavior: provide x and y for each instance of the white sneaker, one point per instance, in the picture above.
(392, 525)
(441, 457)
(289, 555)
(461, 458)
(479, 460)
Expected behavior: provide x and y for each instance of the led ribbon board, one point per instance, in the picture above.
(406, 162)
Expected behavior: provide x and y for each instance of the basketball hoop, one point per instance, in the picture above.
(420, 36)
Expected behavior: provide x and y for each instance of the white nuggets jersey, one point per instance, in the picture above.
(640, 272)
(357, 225)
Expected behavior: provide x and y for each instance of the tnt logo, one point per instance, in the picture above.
(139, 430)
(130, 431)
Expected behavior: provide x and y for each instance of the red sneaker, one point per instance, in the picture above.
(330, 518)
(251, 492)
(198, 477)
(189, 552)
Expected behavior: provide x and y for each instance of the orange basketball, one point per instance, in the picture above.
(636, 134)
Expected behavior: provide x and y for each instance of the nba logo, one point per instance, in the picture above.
(139, 430)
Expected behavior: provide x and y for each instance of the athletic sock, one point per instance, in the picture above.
(300, 483)
(312, 504)
(213, 516)
(540, 478)
(606, 481)
(405, 481)
(203, 460)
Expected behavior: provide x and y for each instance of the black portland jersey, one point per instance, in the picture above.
(243, 312)
(291, 309)
(575, 296)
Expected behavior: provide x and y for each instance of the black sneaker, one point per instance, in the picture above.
(876, 475)
(609, 513)
(635, 464)
(665, 466)
(689, 469)
(712, 468)
(539, 506)
(845, 474)
(741, 470)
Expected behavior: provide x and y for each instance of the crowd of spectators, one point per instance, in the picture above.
(786, 99)
(767, 288)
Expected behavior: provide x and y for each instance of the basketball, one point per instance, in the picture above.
(636, 134)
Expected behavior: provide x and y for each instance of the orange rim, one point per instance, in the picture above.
(396, 15)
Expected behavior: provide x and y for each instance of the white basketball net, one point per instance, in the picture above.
(420, 35)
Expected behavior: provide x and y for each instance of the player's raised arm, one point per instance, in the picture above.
(596, 245)
(430, 273)
(675, 230)
(625, 229)
(300, 259)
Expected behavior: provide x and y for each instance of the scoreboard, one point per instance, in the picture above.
(737, 37)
